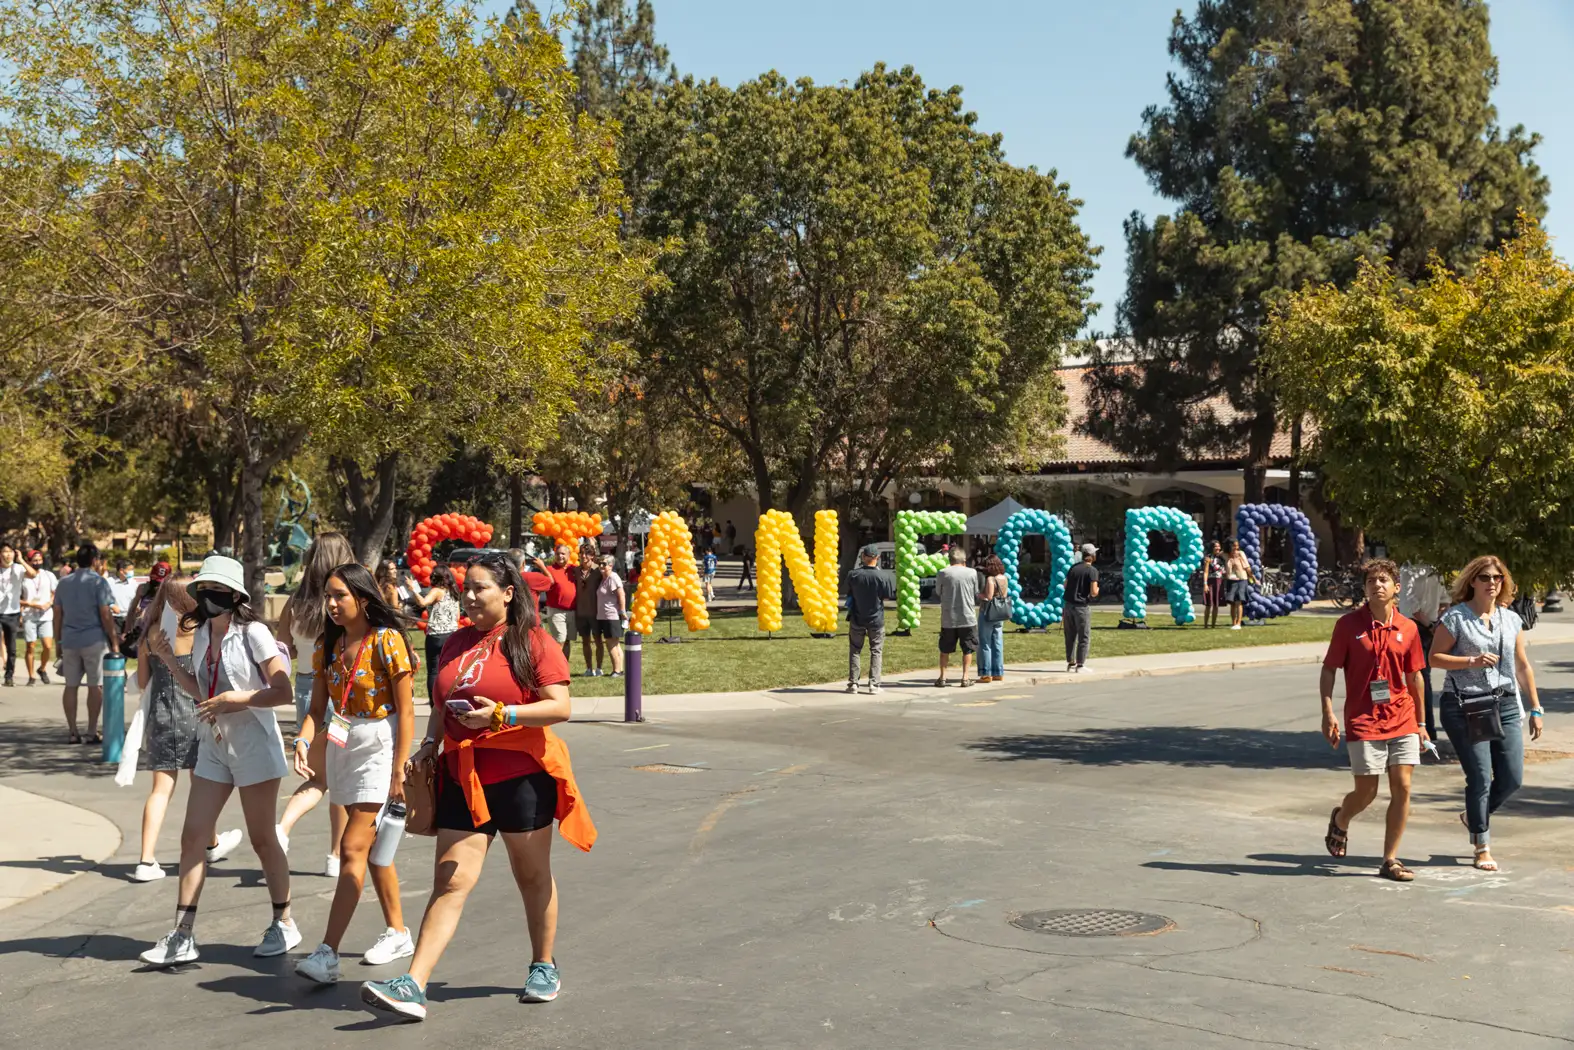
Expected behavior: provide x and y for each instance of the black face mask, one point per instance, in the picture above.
(215, 603)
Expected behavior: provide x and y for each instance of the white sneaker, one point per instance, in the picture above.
(330, 867)
(1235, 626)
(284, 840)
(227, 841)
(280, 936)
(147, 873)
(393, 944)
(852, 687)
(174, 948)
(322, 965)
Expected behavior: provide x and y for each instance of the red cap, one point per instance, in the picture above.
(160, 571)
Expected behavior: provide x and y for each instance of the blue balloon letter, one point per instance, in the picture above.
(1249, 521)
(1008, 548)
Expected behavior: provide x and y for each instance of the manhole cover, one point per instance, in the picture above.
(667, 767)
(1093, 922)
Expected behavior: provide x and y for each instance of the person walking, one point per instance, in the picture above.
(560, 598)
(300, 627)
(441, 601)
(730, 532)
(362, 702)
(1082, 586)
(169, 742)
(611, 609)
(994, 609)
(708, 575)
(501, 770)
(38, 622)
(746, 570)
(1480, 642)
(1212, 584)
(14, 574)
(85, 625)
(869, 587)
(587, 580)
(241, 676)
(1238, 578)
(1379, 650)
(956, 587)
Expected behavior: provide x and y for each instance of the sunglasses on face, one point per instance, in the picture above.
(1490, 577)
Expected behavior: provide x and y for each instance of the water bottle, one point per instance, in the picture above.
(390, 829)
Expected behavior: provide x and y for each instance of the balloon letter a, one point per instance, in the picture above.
(669, 538)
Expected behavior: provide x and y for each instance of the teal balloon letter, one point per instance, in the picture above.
(1143, 572)
(1008, 548)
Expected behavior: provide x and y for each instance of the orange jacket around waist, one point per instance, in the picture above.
(549, 751)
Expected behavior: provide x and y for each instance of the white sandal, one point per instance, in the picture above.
(1485, 865)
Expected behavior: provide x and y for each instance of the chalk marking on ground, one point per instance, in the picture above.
(702, 833)
(647, 747)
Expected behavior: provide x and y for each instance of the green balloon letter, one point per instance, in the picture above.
(912, 563)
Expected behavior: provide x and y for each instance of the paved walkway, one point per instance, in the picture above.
(45, 843)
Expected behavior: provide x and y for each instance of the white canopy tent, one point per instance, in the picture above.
(639, 524)
(988, 522)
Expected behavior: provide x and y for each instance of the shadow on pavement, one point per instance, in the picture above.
(60, 865)
(1317, 865)
(437, 992)
(1532, 800)
(40, 747)
(1170, 745)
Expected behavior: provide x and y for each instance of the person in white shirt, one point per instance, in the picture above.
(13, 573)
(38, 624)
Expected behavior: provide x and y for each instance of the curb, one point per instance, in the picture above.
(38, 828)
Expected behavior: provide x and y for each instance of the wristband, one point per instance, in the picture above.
(1536, 712)
(498, 712)
(302, 740)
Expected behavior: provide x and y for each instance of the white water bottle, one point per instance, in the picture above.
(390, 829)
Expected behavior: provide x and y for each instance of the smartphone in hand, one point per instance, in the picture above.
(459, 707)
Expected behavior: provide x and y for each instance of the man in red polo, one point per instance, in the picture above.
(1380, 652)
(558, 616)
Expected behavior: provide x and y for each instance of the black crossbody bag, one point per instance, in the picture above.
(1483, 721)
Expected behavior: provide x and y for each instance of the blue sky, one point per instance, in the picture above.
(1066, 82)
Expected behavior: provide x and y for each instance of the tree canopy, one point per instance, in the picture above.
(1300, 138)
(1444, 411)
(860, 285)
(360, 222)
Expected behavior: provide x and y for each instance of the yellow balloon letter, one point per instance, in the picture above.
(669, 539)
(777, 540)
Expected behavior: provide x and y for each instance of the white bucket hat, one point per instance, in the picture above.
(219, 569)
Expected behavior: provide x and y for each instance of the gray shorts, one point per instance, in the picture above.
(1370, 758)
(84, 665)
(561, 623)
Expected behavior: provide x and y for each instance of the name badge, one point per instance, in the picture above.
(338, 729)
(1380, 691)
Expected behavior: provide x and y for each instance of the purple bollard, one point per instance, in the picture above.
(633, 689)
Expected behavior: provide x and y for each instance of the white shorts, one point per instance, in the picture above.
(360, 770)
(37, 630)
(1369, 758)
(561, 623)
(248, 753)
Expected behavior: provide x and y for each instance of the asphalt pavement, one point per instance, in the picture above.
(848, 876)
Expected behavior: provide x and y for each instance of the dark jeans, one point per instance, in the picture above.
(1079, 632)
(1494, 770)
(434, 648)
(10, 626)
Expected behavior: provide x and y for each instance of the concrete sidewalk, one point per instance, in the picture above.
(918, 686)
(45, 843)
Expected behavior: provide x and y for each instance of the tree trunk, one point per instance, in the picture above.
(1259, 448)
(1295, 463)
(516, 509)
(764, 486)
(369, 503)
(254, 530)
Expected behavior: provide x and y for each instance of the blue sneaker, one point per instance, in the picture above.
(542, 985)
(400, 995)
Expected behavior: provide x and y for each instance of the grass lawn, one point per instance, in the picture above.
(734, 655)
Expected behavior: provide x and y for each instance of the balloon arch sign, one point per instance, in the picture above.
(670, 573)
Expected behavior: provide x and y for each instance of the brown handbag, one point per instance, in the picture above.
(420, 797)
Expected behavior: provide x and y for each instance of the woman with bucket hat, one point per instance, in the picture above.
(240, 678)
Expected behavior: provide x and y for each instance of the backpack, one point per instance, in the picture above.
(1525, 606)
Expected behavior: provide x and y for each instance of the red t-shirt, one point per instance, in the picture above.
(561, 593)
(470, 667)
(1368, 650)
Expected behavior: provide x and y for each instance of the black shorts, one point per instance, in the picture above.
(525, 803)
(585, 626)
(608, 628)
(950, 637)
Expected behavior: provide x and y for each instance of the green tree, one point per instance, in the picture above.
(615, 52)
(364, 223)
(861, 285)
(1300, 138)
(1444, 411)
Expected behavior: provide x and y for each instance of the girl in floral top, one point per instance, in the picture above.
(361, 698)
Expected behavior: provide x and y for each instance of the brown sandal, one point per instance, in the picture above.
(1395, 870)
(1337, 839)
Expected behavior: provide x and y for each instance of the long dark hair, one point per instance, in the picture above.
(378, 612)
(522, 616)
(443, 577)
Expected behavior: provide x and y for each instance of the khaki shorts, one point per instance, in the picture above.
(84, 665)
(1370, 758)
(561, 623)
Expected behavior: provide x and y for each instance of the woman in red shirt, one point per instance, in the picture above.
(500, 683)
